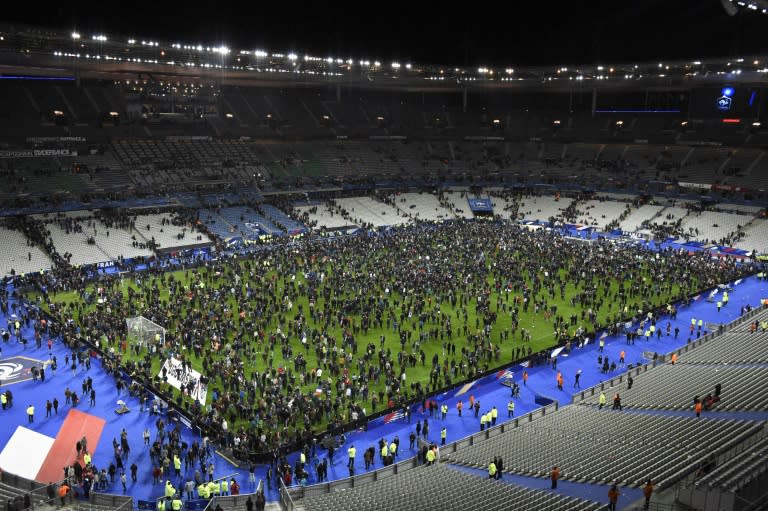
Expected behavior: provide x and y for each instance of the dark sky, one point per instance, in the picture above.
(482, 33)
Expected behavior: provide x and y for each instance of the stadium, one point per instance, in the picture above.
(283, 279)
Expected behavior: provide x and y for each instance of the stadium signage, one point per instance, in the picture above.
(724, 103)
(32, 153)
(37, 140)
(702, 186)
(181, 138)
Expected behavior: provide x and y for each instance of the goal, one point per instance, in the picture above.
(143, 333)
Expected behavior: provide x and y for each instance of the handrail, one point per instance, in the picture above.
(300, 492)
(31, 487)
(285, 497)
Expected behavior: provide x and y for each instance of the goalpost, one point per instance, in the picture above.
(143, 333)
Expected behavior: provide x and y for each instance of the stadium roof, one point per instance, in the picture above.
(48, 52)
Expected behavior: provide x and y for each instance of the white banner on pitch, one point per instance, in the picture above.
(177, 376)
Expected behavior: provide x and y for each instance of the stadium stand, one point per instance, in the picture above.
(18, 256)
(439, 487)
(591, 448)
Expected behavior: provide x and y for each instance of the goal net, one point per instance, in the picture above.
(143, 333)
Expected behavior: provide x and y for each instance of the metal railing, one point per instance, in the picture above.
(39, 493)
(288, 495)
(285, 497)
(662, 357)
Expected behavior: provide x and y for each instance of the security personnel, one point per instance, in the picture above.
(444, 410)
(87, 459)
(176, 503)
(393, 449)
(31, 413)
(202, 490)
(217, 488)
(602, 400)
(210, 489)
(351, 453)
(3, 400)
(170, 491)
(443, 435)
(492, 470)
(494, 415)
(384, 450)
(177, 465)
(482, 422)
(224, 487)
(430, 457)
(725, 298)
(161, 505)
(510, 408)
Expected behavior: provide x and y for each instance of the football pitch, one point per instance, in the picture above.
(398, 306)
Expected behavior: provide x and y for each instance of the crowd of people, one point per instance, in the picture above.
(312, 336)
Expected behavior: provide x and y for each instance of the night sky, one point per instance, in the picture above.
(536, 32)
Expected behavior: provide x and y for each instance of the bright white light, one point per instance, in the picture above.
(228, 115)
(292, 56)
(75, 35)
(482, 70)
(395, 65)
(199, 47)
(329, 60)
(510, 70)
(696, 62)
(260, 53)
(599, 68)
(376, 63)
(131, 41)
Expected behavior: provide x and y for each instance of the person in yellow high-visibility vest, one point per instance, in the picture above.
(443, 435)
(224, 487)
(492, 470)
(177, 465)
(161, 504)
(176, 504)
(170, 491)
(202, 490)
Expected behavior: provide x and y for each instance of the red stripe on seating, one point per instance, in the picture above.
(63, 451)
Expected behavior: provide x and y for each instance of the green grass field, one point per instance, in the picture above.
(268, 283)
